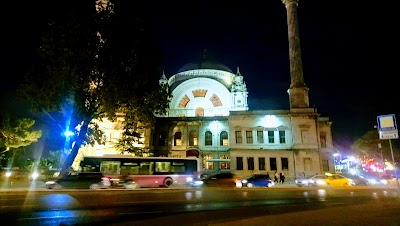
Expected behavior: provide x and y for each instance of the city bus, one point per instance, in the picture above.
(145, 171)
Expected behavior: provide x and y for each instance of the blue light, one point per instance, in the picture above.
(68, 133)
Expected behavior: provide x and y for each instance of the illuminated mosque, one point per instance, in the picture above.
(209, 118)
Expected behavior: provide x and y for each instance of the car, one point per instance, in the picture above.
(329, 179)
(357, 179)
(374, 179)
(303, 181)
(81, 180)
(258, 180)
(222, 179)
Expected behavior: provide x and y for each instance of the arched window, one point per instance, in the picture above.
(223, 138)
(199, 112)
(193, 138)
(208, 139)
(224, 165)
(177, 139)
(206, 164)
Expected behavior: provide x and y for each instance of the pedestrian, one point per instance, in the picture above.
(282, 177)
(276, 177)
(268, 177)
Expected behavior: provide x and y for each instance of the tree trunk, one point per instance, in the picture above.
(78, 143)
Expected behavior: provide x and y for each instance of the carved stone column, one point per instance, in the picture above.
(298, 91)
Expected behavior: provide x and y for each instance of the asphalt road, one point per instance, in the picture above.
(286, 205)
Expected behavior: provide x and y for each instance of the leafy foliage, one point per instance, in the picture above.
(97, 63)
(17, 132)
(370, 145)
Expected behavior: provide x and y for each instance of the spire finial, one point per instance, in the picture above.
(163, 77)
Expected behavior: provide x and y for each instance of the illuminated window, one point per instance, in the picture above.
(249, 137)
(215, 100)
(208, 139)
(199, 92)
(223, 138)
(282, 137)
(178, 139)
(224, 165)
(260, 137)
(193, 138)
(199, 112)
(271, 137)
(238, 135)
(206, 164)
(184, 101)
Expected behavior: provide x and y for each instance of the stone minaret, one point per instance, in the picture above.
(298, 91)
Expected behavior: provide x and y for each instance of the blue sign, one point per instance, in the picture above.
(387, 122)
(387, 127)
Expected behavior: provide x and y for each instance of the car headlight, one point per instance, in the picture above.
(244, 181)
(50, 182)
(189, 179)
(8, 174)
(198, 182)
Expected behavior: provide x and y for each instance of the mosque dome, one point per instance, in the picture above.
(204, 65)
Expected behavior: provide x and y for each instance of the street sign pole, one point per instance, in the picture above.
(387, 128)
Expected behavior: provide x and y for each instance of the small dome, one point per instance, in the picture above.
(204, 65)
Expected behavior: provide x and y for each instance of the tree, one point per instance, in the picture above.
(97, 62)
(16, 133)
(371, 146)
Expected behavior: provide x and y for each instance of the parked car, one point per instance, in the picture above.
(222, 179)
(258, 180)
(80, 181)
(334, 180)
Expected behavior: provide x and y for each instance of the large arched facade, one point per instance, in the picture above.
(200, 93)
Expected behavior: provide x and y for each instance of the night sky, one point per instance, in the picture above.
(348, 51)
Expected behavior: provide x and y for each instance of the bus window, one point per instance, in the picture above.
(110, 167)
(146, 168)
(163, 167)
(178, 167)
(130, 169)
